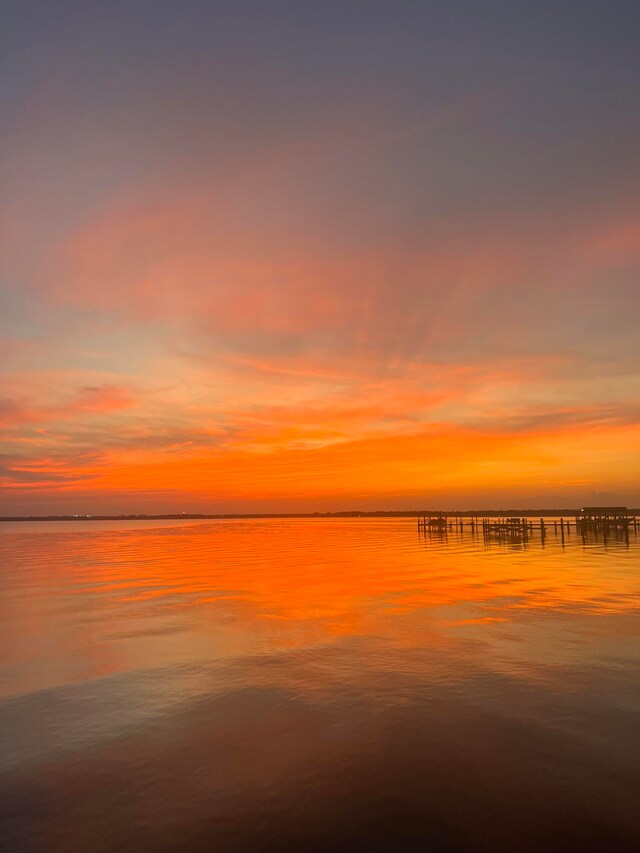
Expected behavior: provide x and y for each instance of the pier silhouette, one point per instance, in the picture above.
(591, 523)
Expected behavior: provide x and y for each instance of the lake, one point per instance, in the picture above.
(316, 684)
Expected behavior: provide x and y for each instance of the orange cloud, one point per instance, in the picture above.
(441, 459)
(101, 399)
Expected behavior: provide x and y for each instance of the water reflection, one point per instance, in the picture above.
(326, 684)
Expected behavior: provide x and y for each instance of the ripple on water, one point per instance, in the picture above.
(328, 684)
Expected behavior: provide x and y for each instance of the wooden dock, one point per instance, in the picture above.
(608, 522)
(606, 517)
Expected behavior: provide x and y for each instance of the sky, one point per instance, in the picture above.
(279, 256)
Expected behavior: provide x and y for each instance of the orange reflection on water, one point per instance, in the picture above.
(90, 601)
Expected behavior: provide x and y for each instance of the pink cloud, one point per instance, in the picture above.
(88, 400)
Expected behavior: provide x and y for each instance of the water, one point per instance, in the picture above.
(316, 685)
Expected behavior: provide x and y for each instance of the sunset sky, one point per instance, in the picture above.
(319, 255)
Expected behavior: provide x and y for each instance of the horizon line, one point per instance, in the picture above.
(410, 513)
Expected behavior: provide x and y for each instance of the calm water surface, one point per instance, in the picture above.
(316, 685)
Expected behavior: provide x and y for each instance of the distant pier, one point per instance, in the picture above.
(589, 521)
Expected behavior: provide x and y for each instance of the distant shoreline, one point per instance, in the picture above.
(487, 513)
